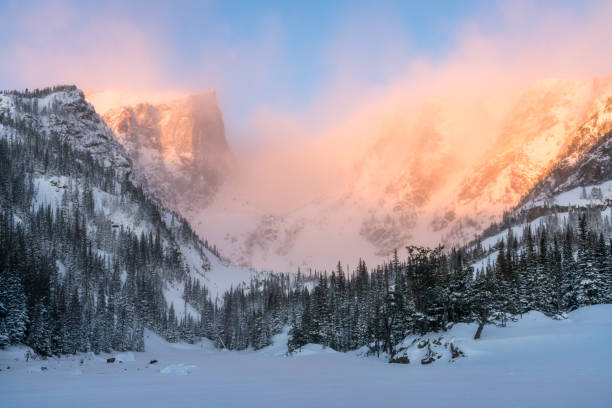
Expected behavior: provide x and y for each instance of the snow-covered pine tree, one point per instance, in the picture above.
(14, 318)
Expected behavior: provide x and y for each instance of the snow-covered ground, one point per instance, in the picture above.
(579, 196)
(536, 362)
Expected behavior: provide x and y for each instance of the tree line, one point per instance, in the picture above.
(72, 280)
(555, 267)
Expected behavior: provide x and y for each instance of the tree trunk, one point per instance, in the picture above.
(479, 331)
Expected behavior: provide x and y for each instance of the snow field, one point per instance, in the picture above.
(535, 362)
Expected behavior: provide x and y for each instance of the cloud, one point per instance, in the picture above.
(377, 81)
(56, 43)
(380, 90)
(382, 108)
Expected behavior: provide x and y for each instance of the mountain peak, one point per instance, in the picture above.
(64, 112)
(179, 143)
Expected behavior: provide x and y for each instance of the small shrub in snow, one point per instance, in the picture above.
(400, 360)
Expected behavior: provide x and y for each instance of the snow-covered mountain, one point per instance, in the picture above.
(451, 200)
(91, 257)
(93, 226)
(586, 163)
(580, 176)
(421, 178)
(442, 171)
(579, 183)
(67, 115)
(180, 145)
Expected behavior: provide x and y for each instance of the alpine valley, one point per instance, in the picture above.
(128, 237)
(413, 182)
(338, 204)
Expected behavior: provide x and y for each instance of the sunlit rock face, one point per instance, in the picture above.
(439, 173)
(443, 191)
(551, 123)
(537, 133)
(438, 170)
(585, 159)
(179, 145)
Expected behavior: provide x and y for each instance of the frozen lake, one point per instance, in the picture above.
(536, 362)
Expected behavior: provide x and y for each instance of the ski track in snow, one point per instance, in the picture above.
(536, 362)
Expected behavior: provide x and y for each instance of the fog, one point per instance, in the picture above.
(383, 110)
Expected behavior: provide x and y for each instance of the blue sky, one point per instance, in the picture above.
(307, 31)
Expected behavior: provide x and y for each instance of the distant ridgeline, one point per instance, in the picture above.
(72, 280)
(39, 93)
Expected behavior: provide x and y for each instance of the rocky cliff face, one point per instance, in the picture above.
(66, 114)
(422, 178)
(554, 122)
(586, 161)
(179, 145)
(439, 196)
(416, 184)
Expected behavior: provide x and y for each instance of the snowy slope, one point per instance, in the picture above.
(534, 362)
(64, 113)
(589, 169)
(217, 275)
(552, 210)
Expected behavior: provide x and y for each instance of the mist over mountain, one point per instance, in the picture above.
(180, 145)
(230, 203)
(438, 171)
(94, 265)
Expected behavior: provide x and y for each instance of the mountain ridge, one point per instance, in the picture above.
(89, 256)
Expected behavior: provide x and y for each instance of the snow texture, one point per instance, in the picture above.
(535, 362)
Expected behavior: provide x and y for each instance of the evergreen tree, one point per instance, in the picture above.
(589, 285)
(40, 332)
(13, 310)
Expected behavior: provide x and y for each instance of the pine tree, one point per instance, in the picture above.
(557, 279)
(527, 273)
(568, 270)
(589, 285)
(75, 341)
(481, 303)
(14, 318)
(460, 291)
(100, 326)
(171, 334)
(297, 336)
(543, 288)
(40, 332)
